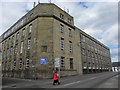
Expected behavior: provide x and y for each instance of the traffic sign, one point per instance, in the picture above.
(57, 62)
(43, 60)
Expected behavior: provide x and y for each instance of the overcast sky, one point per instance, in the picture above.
(98, 19)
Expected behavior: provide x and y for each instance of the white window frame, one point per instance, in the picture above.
(21, 49)
(30, 28)
(29, 43)
(62, 28)
(23, 32)
(62, 44)
(17, 37)
(62, 61)
(70, 32)
(70, 46)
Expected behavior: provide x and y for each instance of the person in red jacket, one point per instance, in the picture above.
(56, 78)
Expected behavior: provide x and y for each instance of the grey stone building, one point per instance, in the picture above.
(31, 46)
(0, 50)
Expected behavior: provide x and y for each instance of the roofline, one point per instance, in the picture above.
(32, 10)
(92, 38)
(37, 16)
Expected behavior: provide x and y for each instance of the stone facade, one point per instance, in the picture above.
(31, 45)
(0, 51)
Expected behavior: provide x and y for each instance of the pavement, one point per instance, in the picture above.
(97, 80)
(110, 83)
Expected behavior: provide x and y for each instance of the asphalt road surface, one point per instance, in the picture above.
(98, 80)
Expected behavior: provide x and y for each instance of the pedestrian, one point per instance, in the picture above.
(56, 78)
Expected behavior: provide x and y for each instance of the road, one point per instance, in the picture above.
(98, 80)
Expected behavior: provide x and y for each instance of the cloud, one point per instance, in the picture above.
(10, 16)
(110, 36)
(99, 19)
(114, 53)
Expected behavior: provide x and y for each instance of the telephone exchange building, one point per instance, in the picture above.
(31, 45)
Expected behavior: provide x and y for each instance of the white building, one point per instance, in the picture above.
(116, 67)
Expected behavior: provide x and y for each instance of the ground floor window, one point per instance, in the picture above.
(62, 63)
(71, 63)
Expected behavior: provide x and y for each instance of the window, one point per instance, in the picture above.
(62, 63)
(2, 45)
(43, 48)
(70, 32)
(5, 45)
(61, 16)
(71, 46)
(9, 32)
(62, 28)
(12, 29)
(14, 63)
(27, 62)
(12, 40)
(30, 28)
(21, 49)
(17, 37)
(71, 63)
(23, 32)
(31, 15)
(5, 35)
(8, 43)
(20, 63)
(83, 51)
(7, 53)
(82, 38)
(92, 55)
(11, 51)
(62, 44)
(88, 53)
(69, 20)
(24, 20)
(96, 55)
(16, 49)
(29, 42)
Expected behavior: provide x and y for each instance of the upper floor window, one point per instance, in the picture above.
(23, 21)
(61, 16)
(96, 55)
(8, 42)
(69, 20)
(82, 37)
(88, 53)
(70, 32)
(44, 48)
(16, 49)
(31, 15)
(62, 43)
(62, 28)
(17, 37)
(92, 54)
(62, 63)
(29, 43)
(23, 32)
(9, 32)
(27, 63)
(7, 53)
(83, 51)
(3, 46)
(12, 39)
(11, 51)
(71, 46)
(21, 49)
(30, 28)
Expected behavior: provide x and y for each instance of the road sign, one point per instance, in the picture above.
(43, 60)
(57, 62)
